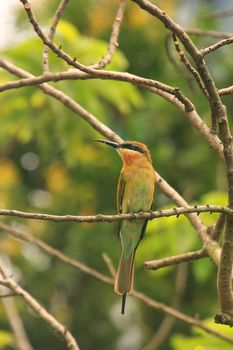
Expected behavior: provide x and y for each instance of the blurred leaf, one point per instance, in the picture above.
(6, 339)
(200, 340)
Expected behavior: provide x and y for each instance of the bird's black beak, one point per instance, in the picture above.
(109, 143)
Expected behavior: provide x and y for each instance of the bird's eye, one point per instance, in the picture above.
(133, 147)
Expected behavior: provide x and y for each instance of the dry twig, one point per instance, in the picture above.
(40, 310)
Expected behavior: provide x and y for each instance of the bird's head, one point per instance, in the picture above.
(129, 150)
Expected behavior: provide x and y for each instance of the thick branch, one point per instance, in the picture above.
(217, 108)
(185, 107)
(219, 118)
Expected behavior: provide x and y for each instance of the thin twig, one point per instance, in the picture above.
(168, 321)
(179, 315)
(40, 310)
(16, 323)
(226, 91)
(104, 130)
(109, 264)
(208, 33)
(51, 33)
(102, 74)
(189, 66)
(216, 46)
(177, 259)
(217, 14)
(195, 120)
(113, 42)
(118, 217)
(219, 119)
(217, 108)
(55, 252)
(64, 99)
(217, 229)
(187, 109)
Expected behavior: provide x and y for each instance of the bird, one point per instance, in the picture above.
(135, 193)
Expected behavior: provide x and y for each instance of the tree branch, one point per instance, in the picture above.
(118, 217)
(186, 107)
(168, 321)
(215, 102)
(216, 46)
(190, 68)
(113, 42)
(101, 74)
(179, 315)
(177, 259)
(51, 33)
(16, 323)
(40, 310)
(105, 279)
(208, 33)
(104, 130)
(219, 118)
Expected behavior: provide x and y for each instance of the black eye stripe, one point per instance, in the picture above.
(132, 147)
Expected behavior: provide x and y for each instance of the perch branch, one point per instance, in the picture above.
(104, 130)
(118, 217)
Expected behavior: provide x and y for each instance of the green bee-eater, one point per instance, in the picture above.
(135, 192)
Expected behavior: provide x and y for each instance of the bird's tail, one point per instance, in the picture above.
(124, 278)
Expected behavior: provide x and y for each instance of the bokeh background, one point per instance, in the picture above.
(49, 163)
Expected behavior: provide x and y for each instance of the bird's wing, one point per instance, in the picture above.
(120, 192)
(120, 195)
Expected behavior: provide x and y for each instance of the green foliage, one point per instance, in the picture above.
(6, 339)
(200, 340)
(48, 162)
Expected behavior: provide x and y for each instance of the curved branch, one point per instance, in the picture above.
(102, 74)
(40, 310)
